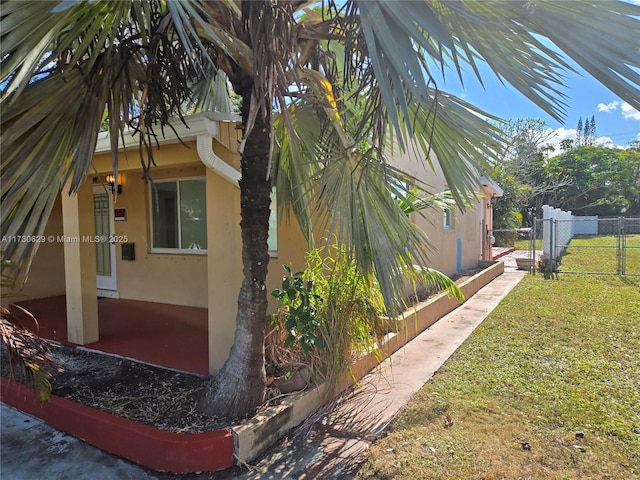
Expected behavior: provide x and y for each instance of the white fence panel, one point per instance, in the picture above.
(554, 238)
(586, 225)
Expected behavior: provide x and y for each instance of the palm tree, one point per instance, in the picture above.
(349, 81)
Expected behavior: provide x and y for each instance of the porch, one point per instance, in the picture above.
(171, 336)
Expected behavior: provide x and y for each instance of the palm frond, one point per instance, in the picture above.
(96, 54)
(26, 353)
(412, 43)
(413, 201)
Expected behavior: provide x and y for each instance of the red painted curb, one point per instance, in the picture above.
(503, 253)
(142, 444)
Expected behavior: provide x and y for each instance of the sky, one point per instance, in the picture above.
(617, 123)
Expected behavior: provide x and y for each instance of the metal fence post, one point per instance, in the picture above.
(532, 241)
(621, 246)
(553, 226)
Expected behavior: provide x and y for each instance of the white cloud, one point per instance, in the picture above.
(556, 136)
(629, 112)
(606, 142)
(607, 107)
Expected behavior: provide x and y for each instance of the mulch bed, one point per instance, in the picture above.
(160, 397)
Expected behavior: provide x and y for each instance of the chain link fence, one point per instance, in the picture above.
(590, 245)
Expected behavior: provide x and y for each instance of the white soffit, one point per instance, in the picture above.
(491, 187)
(198, 124)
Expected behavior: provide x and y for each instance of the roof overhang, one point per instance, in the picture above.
(491, 187)
(201, 127)
(198, 124)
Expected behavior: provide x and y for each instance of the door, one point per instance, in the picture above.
(105, 247)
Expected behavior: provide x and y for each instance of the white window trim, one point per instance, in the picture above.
(173, 251)
(273, 210)
(448, 225)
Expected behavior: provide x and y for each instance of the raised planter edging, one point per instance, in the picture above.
(142, 444)
(252, 438)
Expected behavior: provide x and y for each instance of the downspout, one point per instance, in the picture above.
(212, 161)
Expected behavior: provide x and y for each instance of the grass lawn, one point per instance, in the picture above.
(526, 244)
(548, 387)
(599, 254)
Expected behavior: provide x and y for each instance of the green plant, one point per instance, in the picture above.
(301, 302)
(334, 313)
(330, 311)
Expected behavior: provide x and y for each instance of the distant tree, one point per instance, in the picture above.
(589, 132)
(592, 129)
(579, 136)
(598, 181)
(567, 144)
(522, 171)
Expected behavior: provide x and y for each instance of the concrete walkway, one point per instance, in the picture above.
(32, 450)
(327, 446)
(334, 444)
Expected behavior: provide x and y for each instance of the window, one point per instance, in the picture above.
(448, 219)
(273, 223)
(179, 215)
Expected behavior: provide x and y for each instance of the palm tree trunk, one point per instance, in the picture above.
(239, 387)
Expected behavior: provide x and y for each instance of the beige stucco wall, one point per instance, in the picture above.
(179, 279)
(464, 234)
(464, 239)
(46, 276)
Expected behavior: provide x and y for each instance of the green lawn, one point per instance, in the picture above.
(595, 254)
(526, 244)
(555, 360)
(599, 254)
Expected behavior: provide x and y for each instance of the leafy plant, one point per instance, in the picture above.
(353, 317)
(333, 313)
(301, 302)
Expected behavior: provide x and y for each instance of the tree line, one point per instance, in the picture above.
(584, 178)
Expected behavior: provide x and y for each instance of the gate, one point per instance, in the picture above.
(591, 245)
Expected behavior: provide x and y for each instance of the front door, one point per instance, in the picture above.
(105, 247)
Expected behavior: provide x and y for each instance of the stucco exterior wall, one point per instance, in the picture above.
(46, 276)
(455, 249)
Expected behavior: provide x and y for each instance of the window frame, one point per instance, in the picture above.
(174, 251)
(273, 210)
(447, 219)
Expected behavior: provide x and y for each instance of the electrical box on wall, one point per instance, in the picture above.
(128, 251)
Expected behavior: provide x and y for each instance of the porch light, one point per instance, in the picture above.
(111, 181)
(492, 201)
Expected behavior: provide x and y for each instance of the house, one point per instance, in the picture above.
(458, 239)
(178, 241)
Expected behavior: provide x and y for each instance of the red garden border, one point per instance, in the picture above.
(148, 446)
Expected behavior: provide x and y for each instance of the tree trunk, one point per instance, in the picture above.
(239, 387)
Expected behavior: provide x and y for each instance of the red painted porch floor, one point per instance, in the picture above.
(171, 336)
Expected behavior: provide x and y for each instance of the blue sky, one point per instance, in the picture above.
(617, 123)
